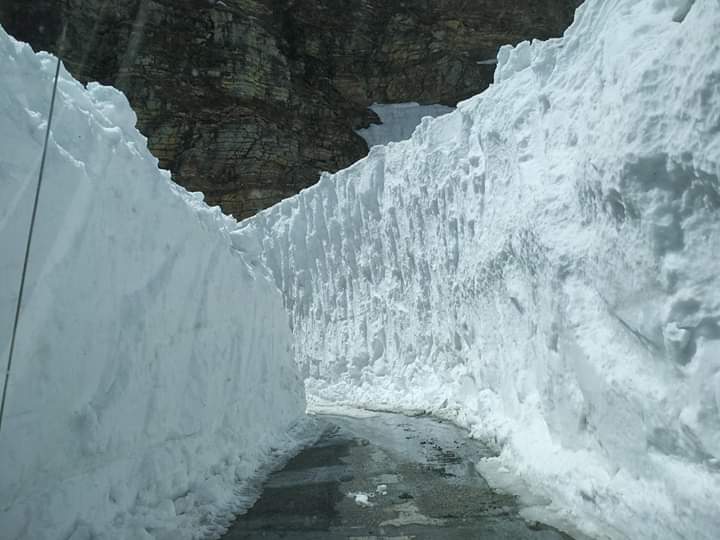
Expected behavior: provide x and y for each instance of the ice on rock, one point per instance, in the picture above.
(152, 368)
(541, 266)
(398, 121)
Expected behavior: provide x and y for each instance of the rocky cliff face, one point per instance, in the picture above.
(247, 100)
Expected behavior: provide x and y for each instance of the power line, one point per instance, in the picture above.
(29, 242)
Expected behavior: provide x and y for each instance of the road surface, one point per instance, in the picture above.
(385, 477)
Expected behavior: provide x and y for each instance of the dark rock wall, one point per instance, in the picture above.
(248, 100)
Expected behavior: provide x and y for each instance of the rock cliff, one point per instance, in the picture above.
(247, 100)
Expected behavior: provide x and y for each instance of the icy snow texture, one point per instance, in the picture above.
(399, 120)
(152, 369)
(541, 265)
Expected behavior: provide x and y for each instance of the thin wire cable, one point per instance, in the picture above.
(29, 242)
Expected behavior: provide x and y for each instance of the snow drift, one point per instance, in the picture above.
(542, 266)
(152, 368)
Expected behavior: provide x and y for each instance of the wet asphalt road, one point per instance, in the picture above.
(386, 477)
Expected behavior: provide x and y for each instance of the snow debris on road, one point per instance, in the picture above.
(361, 499)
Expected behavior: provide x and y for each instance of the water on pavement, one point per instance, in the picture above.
(386, 477)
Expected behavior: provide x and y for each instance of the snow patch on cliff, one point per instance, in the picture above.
(152, 373)
(541, 266)
(399, 120)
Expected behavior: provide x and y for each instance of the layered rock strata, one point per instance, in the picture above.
(248, 100)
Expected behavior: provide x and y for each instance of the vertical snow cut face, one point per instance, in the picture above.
(540, 265)
(152, 370)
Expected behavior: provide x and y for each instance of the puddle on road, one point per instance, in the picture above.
(385, 477)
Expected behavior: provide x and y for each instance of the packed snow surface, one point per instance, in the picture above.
(399, 120)
(540, 265)
(152, 370)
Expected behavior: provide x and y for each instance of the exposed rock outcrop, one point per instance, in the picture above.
(247, 100)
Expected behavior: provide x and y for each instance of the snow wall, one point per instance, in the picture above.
(152, 370)
(542, 266)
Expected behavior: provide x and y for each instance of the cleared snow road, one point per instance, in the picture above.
(385, 476)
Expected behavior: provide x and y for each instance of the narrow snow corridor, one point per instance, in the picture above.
(538, 267)
(380, 475)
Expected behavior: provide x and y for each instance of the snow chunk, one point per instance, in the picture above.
(361, 498)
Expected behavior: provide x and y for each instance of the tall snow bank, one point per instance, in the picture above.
(542, 266)
(152, 371)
